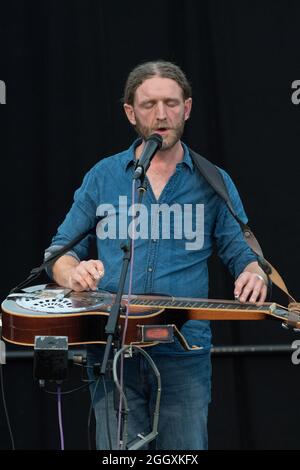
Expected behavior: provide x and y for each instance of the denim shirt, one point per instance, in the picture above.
(166, 263)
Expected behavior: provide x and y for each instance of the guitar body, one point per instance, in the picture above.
(21, 324)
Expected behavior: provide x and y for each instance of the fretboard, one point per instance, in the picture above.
(207, 304)
(182, 302)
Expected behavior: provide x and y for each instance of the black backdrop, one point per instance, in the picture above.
(64, 64)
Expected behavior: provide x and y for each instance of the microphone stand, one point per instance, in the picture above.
(117, 309)
(112, 328)
(35, 272)
(153, 143)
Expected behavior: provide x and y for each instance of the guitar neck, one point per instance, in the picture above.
(211, 309)
(194, 303)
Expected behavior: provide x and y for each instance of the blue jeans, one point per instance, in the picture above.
(186, 383)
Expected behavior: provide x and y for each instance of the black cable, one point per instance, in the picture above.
(87, 384)
(107, 414)
(70, 391)
(90, 414)
(5, 409)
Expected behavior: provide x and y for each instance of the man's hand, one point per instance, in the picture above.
(251, 285)
(86, 275)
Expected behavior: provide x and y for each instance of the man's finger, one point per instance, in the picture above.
(95, 268)
(79, 279)
(240, 283)
(255, 294)
(263, 295)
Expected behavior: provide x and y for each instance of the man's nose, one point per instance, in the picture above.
(161, 111)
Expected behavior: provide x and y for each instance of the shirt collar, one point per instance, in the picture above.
(131, 160)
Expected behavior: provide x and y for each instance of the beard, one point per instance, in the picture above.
(169, 140)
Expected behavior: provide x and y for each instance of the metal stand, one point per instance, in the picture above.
(112, 328)
(140, 440)
(35, 272)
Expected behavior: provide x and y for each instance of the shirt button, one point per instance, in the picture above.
(150, 270)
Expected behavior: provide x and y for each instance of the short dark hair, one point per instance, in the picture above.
(159, 68)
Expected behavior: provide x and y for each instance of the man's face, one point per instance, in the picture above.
(159, 107)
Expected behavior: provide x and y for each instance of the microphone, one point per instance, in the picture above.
(152, 144)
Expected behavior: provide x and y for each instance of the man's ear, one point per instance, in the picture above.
(130, 113)
(187, 108)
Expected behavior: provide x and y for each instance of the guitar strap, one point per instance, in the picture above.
(215, 178)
